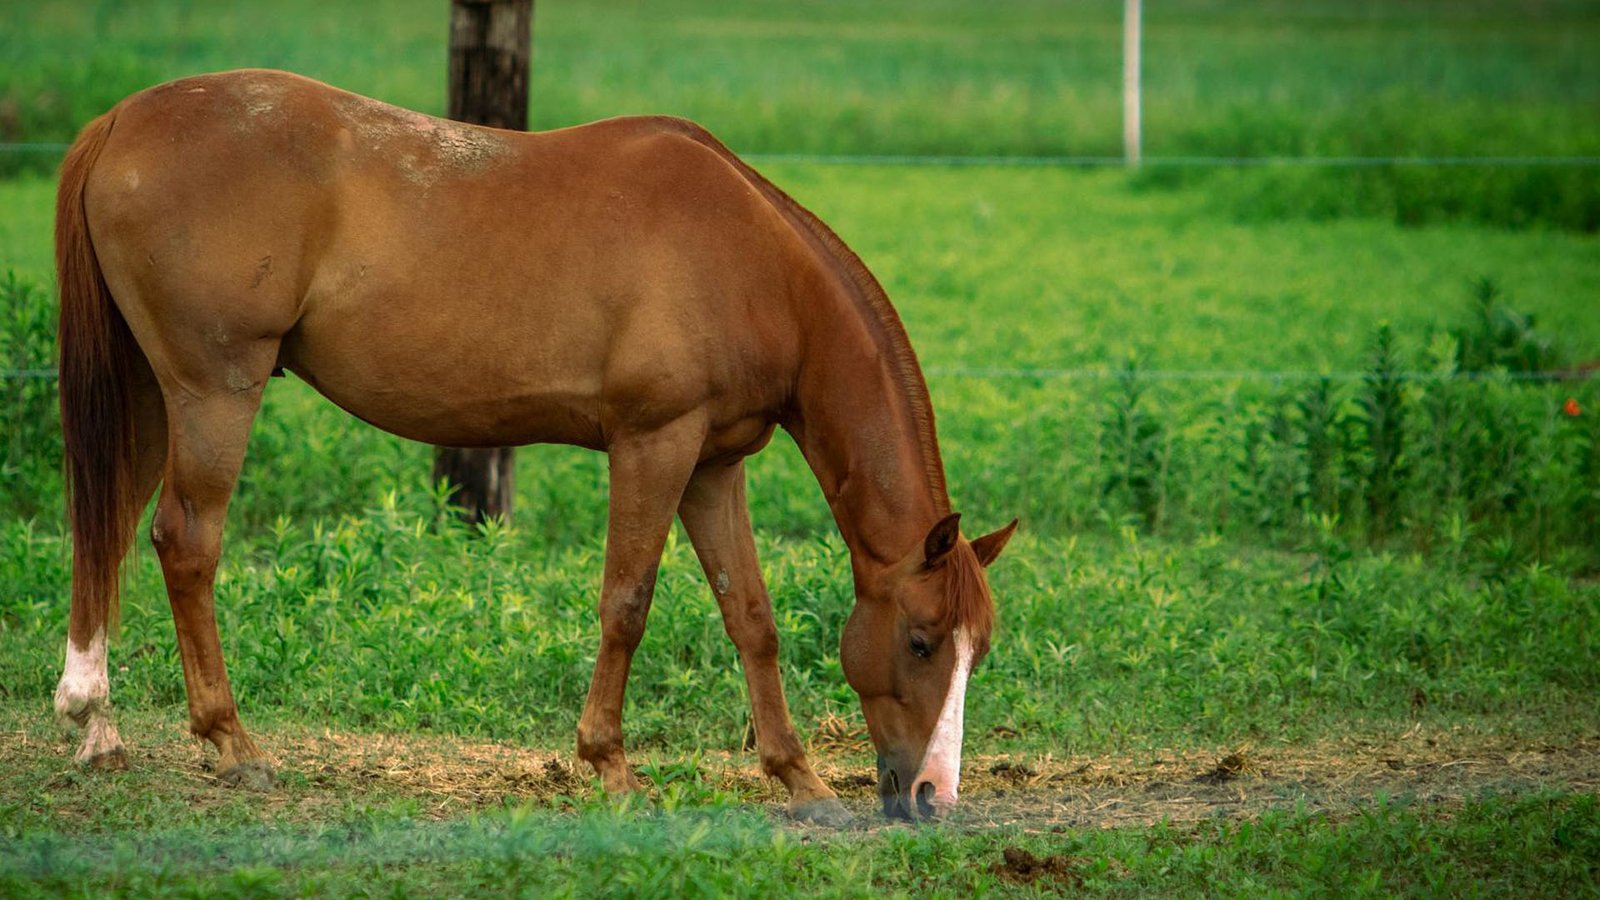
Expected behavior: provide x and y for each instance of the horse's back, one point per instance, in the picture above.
(451, 283)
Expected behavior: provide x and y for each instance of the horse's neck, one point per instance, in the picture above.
(864, 424)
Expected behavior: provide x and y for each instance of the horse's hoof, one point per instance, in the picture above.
(113, 760)
(253, 775)
(827, 812)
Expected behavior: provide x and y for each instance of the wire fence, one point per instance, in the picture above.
(1274, 376)
(1262, 375)
(1088, 161)
(1216, 162)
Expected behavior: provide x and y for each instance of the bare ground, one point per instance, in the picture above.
(449, 776)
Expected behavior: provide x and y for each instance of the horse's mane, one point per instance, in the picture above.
(968, 602)
(869, 294)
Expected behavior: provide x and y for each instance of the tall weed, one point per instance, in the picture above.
(1135, 453)
(1383, 415)
(30, 419)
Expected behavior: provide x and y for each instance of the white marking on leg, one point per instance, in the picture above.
(84, 685)
(83, 697)
(941, 764)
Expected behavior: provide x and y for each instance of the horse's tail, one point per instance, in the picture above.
(97, 354)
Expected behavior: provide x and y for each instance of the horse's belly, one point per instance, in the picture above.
(471, 381)
(484, 417)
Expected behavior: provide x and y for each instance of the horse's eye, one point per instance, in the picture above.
(919, 647)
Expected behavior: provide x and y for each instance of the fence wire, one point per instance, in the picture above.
(1089, 161)
(1218, 162)
(1276, 376)
(1266, 375)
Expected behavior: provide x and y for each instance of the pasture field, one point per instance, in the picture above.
(1247, 77)
(346, 591)
(1021, 77)
(1249, 642)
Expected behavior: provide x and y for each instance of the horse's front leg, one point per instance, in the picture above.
(715, 514)
(648, 473)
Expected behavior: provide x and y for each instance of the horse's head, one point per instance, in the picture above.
(916, 633)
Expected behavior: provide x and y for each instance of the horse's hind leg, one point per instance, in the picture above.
(209, 427)
(648, 473)
(715, 514)
(83, 695)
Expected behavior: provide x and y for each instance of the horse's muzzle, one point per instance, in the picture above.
(900, 801)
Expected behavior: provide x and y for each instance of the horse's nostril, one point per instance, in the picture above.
(924, 798)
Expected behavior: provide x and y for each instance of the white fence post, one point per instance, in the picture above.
(1130, 81)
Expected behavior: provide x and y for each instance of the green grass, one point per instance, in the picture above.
(1025, 77)
(1202, 563)
(376, 622)
(1532, 845)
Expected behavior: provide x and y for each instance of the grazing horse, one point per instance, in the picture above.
(628, 286)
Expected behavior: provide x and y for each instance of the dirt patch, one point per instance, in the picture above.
(1331, 777)
(1234, 765)
(1017, 773)
(1036, 792)
(1021, 867)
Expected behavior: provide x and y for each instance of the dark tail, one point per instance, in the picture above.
(97, 353)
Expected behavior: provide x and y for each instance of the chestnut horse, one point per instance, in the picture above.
(628, 286)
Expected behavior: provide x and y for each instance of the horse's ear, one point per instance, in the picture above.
(989, 546)
(942, 539)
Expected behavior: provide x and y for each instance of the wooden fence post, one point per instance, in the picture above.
(491, 44)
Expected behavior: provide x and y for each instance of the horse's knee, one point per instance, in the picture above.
(186, 553)
(624, 609)
(752, 630)
(760, 644)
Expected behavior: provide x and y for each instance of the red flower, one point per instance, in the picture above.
(1571, 407)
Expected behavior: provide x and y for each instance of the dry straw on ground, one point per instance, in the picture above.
(450, 776)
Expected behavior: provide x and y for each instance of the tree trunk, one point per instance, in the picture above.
(491, 45)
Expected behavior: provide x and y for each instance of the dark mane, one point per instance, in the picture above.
(869, 293)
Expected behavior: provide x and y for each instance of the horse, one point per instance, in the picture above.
(629, 286)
